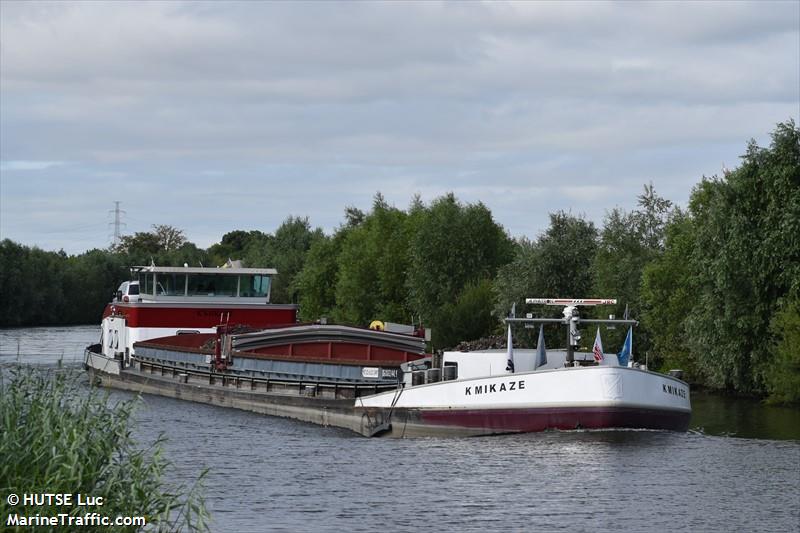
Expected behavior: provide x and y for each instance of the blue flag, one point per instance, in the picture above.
(627, 349)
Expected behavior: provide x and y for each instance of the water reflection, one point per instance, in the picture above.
(743, 417)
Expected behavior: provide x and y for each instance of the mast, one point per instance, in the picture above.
(571, 318)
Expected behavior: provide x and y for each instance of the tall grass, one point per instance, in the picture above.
(59, 436)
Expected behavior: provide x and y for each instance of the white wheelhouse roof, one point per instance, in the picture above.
(204, 270)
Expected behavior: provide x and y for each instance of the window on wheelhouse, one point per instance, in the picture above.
(146, 282)
(172, 284)
(254, 286)
(212, 285)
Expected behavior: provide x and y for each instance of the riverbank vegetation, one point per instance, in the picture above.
(714, 284)
(58, 437)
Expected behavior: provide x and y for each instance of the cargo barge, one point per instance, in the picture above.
(370, 381)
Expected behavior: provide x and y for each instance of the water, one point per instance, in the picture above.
(270, 474)
(47, 345)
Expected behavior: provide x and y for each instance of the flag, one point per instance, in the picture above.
(598, 348)
(627, 349)
(541, 354)
(510, 367)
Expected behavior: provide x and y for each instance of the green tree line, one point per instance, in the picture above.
(715, 286)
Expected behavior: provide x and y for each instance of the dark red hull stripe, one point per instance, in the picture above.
(540, 419)
(193, 318)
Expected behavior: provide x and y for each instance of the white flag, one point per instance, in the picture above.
(510, 366)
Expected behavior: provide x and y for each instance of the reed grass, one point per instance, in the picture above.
(58, 435)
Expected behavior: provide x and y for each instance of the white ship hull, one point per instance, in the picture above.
(568, 398)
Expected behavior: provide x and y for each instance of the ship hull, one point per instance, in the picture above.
(280, 399)
(474, 422)
(394, 414)
(599, 397)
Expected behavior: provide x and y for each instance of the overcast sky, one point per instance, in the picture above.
(219, 116)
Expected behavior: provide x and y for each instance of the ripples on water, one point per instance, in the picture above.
(275, 474)
(46, 345)
(270, 474)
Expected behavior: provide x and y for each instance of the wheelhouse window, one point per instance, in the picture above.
(172, 284)
(254, 286)
(146, 282)
(212, 285)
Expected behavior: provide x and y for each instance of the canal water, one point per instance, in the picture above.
(737, 469)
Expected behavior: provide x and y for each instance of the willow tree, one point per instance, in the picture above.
(742, 260)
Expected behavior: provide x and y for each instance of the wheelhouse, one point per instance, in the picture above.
(162, 283)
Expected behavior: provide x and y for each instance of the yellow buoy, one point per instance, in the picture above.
(377, 325)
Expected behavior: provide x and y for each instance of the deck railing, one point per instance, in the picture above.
(307, 387)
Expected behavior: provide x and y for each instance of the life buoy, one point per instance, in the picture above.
(377, 325)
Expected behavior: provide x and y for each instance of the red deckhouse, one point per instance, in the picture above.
(163, 301)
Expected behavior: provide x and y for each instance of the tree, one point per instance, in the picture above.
(668, 292)
(558, 264)
(165, 245)
(744, 258)
(783, 376)
(285, 251)
(91, 278)
(316, 282)
(651, 218)
(628, 242)
(168, 237)
(15, 288)
(469, 317)
(236, 245)
(39, 287)
(372, 267)
(140, 244)
(393, 265)
(452, 245)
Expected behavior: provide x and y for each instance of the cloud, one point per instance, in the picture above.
(29, 165)
(585, 193)
(278, 108)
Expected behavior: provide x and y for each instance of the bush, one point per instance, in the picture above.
(469, 318)
(58, 436)
(783, 376)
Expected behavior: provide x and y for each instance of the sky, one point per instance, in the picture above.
(218, 116)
